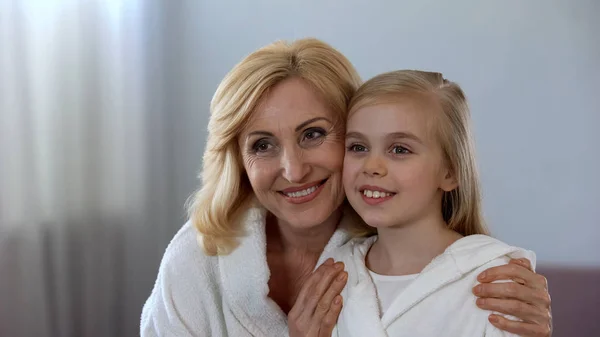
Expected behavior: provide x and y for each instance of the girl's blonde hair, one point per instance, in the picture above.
(461, 207)
(216, 209)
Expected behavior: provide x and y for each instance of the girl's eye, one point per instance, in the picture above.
(400, 150)
(356, 148)
(314, 133)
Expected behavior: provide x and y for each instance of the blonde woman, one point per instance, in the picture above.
(272, 203)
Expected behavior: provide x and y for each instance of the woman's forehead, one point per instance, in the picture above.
(289, 103)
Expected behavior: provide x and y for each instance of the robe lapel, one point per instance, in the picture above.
(245, 276)
(361, 313)
(436, 275)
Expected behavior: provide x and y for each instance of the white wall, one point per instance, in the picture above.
(531, 69)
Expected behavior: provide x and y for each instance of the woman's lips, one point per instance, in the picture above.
(304, 193)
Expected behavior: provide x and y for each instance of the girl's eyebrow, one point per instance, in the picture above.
(354, 134)
(404, 135)
(394, 135)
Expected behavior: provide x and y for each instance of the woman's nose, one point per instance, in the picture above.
(294, 165)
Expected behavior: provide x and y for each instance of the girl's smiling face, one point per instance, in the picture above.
(394, 168)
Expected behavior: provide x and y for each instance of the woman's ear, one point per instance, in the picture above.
(449, 181)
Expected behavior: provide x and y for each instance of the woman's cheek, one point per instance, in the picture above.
(261, 173)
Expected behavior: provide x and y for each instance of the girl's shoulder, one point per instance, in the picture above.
(475, 251)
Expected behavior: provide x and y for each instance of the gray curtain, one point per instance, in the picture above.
(87, 202)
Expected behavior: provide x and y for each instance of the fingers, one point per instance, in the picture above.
(515, 272)
(522, 329)
(329, 262)
(327, 275)
(527, 298)
(538, 281)
(335, 288)
(522, 262)
(330, 319)
(514, 291)
(316, 286)
(319, 303)
(524, 311)
(314, 278)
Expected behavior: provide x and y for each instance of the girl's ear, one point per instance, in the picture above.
(449, 181)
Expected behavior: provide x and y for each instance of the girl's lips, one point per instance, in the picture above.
(375, 195)
(373, 188)
(376, 201)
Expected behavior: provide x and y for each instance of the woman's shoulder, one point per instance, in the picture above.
(185, 291)
(184, 256)
(186, 251)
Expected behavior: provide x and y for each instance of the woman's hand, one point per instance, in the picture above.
(526, 298)
(319, 302)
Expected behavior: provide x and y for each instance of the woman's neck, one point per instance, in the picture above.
(284, 238)
(292, 255)
(406, 249)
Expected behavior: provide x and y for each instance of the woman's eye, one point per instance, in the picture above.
(261, 146)
(314, 133)
(357, 148)
(400, 150)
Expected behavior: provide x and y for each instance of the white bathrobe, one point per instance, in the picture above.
(439, 302)
(200, 295)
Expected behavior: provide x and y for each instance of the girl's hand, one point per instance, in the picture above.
(319, 302)
(526, 298)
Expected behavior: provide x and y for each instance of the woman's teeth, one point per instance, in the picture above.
(302, 193)
(376, 194)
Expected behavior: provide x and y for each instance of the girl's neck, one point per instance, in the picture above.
(406, 249)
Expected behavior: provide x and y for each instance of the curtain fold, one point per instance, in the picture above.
(85, 177)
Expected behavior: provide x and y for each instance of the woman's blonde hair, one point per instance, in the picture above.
(461, 207)
(216, 209)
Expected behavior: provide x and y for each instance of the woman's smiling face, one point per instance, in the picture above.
(293, 152)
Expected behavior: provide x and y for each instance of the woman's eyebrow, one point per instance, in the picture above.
(298, 128)
(259, 133)
(312, 120)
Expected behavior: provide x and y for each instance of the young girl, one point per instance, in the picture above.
(410, 172)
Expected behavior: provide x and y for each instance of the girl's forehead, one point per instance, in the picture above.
(401, 109)
(385, 119)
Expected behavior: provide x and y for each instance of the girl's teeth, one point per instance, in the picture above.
(376, 194)
(302, 193)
